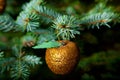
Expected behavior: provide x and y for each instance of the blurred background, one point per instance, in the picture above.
(99, 48)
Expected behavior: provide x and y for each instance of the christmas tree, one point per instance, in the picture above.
(59, 40)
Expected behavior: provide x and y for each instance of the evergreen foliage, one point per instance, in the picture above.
(6, 23)
(38, 26)
(66, 27)
(18, 64)
(100, 15)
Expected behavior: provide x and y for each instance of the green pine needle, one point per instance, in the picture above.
(31, 60)
(20, 71)
(6, 23)
(66, 27)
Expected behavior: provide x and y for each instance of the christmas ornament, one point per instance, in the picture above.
(62, 60)
(2, 5)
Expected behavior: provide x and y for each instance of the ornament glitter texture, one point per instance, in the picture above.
(2, 5)
(62, 60)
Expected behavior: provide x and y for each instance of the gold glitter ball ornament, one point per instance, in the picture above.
(62, 60)
(2, 5)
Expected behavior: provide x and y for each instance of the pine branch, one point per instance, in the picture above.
(20, 71)
(27, 21)
(66, 27)
(21, 68)
(31, 60)
(5, 63)
(47, 15)
(6, 23)
(31, 16)
(100, 15)
(19, 63)
(99, 19)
